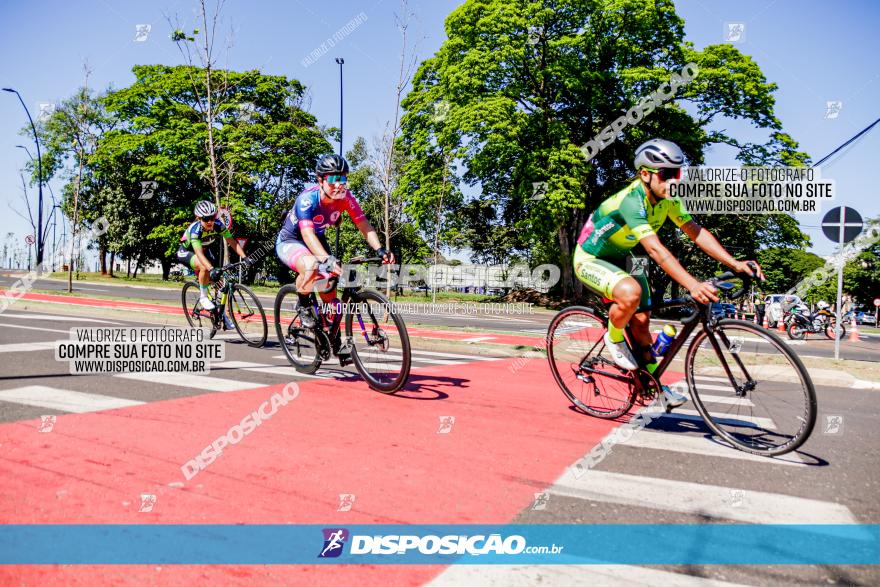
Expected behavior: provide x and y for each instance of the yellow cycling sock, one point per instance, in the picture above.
(615, 333)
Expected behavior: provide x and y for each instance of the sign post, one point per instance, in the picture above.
(876, 310)
(842, 225)
(29, 239)
(242, 241)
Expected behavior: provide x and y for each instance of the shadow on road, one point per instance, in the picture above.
(430, 387)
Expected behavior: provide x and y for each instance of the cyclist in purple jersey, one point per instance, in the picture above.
(301, 244)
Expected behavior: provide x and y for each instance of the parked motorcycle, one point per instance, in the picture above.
(821, 322)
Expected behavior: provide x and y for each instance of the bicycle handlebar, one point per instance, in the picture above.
(720, 281)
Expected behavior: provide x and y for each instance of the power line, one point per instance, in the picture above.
(859, 134)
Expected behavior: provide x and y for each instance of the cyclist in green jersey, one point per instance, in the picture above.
(201, 247)
(630, 217)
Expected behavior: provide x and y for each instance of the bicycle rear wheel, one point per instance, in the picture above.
(576, 350)
(299, 344)
(196, 316)
(380, 350)
(751, 388)
(248, 315)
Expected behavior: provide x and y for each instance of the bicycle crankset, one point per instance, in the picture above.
(647, 385)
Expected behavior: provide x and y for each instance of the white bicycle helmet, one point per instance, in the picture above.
(823, 305)
(205, 209)
(659, 153)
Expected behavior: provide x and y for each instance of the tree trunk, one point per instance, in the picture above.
(112, 261)
(567, 269)
(103, 253)
(137, 265)
(166, 268)
(128, 268)
(72, 259)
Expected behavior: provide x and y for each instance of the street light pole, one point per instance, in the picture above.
(39, 179)
(340, 61)
(53, 219)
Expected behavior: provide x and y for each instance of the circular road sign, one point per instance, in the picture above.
(877, 301)
(852, 224)
(29, 239)
(224, 215)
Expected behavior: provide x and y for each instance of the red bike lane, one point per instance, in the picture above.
(513, 435)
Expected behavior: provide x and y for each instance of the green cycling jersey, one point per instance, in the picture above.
(621, 221)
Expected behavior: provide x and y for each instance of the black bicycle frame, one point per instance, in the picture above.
(697, 317)
(348, 293)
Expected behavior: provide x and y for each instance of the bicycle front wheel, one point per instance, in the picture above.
(751, 389)
(196, 316)
(299, 344)
(380, 343)
(248, 316)
(582, 366)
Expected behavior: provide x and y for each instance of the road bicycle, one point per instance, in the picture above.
(231, 299)
(380, 348)
(748, 386)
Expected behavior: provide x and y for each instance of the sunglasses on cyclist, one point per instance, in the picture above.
(666, 173)
(208, 218)
(337, 178)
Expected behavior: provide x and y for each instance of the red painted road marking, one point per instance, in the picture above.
(507, 442)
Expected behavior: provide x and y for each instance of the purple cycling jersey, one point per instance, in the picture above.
(309, 212)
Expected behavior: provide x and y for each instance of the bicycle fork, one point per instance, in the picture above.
(749, 385)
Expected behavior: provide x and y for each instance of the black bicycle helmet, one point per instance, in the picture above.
(331, 164)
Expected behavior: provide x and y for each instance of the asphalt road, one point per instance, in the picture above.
(519, 320)
(510, 455)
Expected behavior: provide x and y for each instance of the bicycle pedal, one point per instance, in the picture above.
(344, 360)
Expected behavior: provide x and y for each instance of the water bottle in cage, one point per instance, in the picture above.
(664, 339)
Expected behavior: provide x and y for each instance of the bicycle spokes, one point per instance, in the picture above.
(579, 362)
(750, 388)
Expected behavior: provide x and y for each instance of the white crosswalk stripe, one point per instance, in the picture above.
(205, 382)
(63, 400)
(729, 419)
(566, 575)
(7, 325)
(700, 499)
(284, 370)
(23, 347)
(420, 353)
(699, 445)
(56, 318)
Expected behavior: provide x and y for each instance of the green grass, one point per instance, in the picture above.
(153, 280)
(143, 279)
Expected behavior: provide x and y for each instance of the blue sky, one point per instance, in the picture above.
(815, 51)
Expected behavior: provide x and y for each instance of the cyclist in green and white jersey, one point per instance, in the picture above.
(630, 217)
(201, 247)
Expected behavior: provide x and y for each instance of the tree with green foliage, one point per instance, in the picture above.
(71, 136)
(260, 129)
(523, 84)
